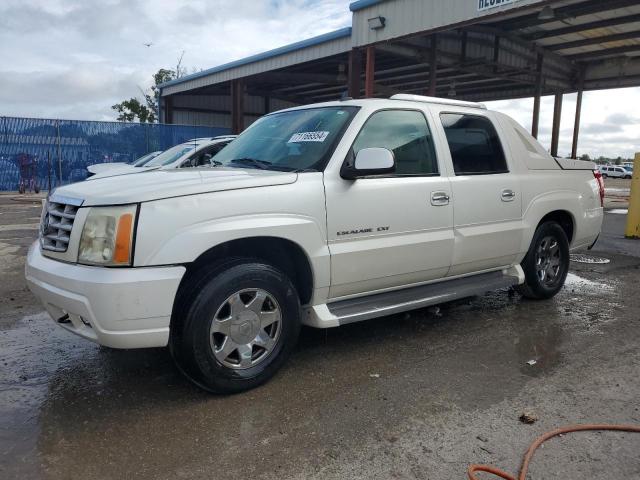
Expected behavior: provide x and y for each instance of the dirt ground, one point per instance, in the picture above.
(412, 396)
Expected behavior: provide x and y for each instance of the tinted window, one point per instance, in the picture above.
(406, 134)
(474, 144)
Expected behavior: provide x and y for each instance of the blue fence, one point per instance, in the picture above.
(55, 152)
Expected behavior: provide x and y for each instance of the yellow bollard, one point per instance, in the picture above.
(633, 217)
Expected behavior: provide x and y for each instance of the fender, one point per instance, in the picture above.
(200, 227)
(569, 201)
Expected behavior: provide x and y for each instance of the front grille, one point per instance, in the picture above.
(57, 223)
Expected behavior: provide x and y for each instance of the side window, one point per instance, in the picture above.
(203, 157)
(474, 144)
(406, 134)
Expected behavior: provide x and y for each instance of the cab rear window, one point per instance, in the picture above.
(474, 144)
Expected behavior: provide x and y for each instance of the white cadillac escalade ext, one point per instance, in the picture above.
(320, 215)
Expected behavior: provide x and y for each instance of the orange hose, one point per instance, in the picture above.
(539, 441)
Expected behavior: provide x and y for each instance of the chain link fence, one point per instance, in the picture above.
(41, 153)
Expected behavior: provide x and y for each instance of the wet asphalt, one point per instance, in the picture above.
(411, 396)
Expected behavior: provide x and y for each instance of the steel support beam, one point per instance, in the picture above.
(237, 106)
(355, 70)
(635, 35)
(569, 11)
(607, 52)
(576, 123)
(555, 130)
(582, 27)
(535, 122)
(369, 74)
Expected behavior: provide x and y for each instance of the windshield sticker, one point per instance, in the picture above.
(308, 137)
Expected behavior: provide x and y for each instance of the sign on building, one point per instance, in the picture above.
(487, 4)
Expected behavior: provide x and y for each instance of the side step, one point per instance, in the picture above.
(388, 303)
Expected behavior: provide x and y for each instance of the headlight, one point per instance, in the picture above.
(107, 236)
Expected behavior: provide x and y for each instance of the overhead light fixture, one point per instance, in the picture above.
(376, 23)
(341, 77)
(547, 13)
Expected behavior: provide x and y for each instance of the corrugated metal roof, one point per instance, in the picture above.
(291, 48)
(360, 4)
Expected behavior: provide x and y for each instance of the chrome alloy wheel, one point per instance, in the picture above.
(245, 329)
(548, 260)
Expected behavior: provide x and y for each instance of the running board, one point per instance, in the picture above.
(388, 303)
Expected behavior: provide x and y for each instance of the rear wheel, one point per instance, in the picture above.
(239, 322)
(547, 262)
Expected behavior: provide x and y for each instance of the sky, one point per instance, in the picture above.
(75, 58)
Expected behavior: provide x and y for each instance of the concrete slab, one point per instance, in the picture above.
(420, 395)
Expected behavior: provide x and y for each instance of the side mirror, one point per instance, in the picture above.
(369, 161)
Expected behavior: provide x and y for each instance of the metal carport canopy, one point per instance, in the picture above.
(476, 50)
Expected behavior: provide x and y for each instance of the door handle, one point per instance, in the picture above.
(439, 198)
(508, 195)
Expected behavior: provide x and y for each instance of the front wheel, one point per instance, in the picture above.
(547, 262)
(240, 322)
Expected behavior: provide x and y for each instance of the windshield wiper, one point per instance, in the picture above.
(253, 162)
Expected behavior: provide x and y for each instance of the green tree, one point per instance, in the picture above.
(132, 109)
(146, 110)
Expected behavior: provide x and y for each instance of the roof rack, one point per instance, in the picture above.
(441, 101)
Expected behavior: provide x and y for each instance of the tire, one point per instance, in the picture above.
(546, 264)
(224, 342)
(604, 175)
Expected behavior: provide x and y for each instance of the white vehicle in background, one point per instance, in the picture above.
(321, 215)
(615, 171)
(196, 152)
(138, 162)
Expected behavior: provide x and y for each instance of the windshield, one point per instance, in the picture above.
(138, 162)
(294, 140)
(170, 155)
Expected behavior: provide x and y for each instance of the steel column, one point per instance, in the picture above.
(369, 73)
(576, 123)
(168, 113)
(267, 104)
(355, 70)
(433, 58)
(237, 106)
(536, 99)
(555, 131)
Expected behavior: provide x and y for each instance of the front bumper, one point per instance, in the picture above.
(115, 307)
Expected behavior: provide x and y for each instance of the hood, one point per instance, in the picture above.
(118, 169)
(157, 184)
(103, 167)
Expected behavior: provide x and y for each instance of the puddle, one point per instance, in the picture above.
(591, 303)
(579, 284)
(582, 258)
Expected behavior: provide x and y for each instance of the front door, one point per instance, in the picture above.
(396, 230)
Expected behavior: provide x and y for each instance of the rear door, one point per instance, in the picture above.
(486, 195)
(394, 230)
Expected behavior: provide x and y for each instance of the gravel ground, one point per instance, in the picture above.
(420, 395)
